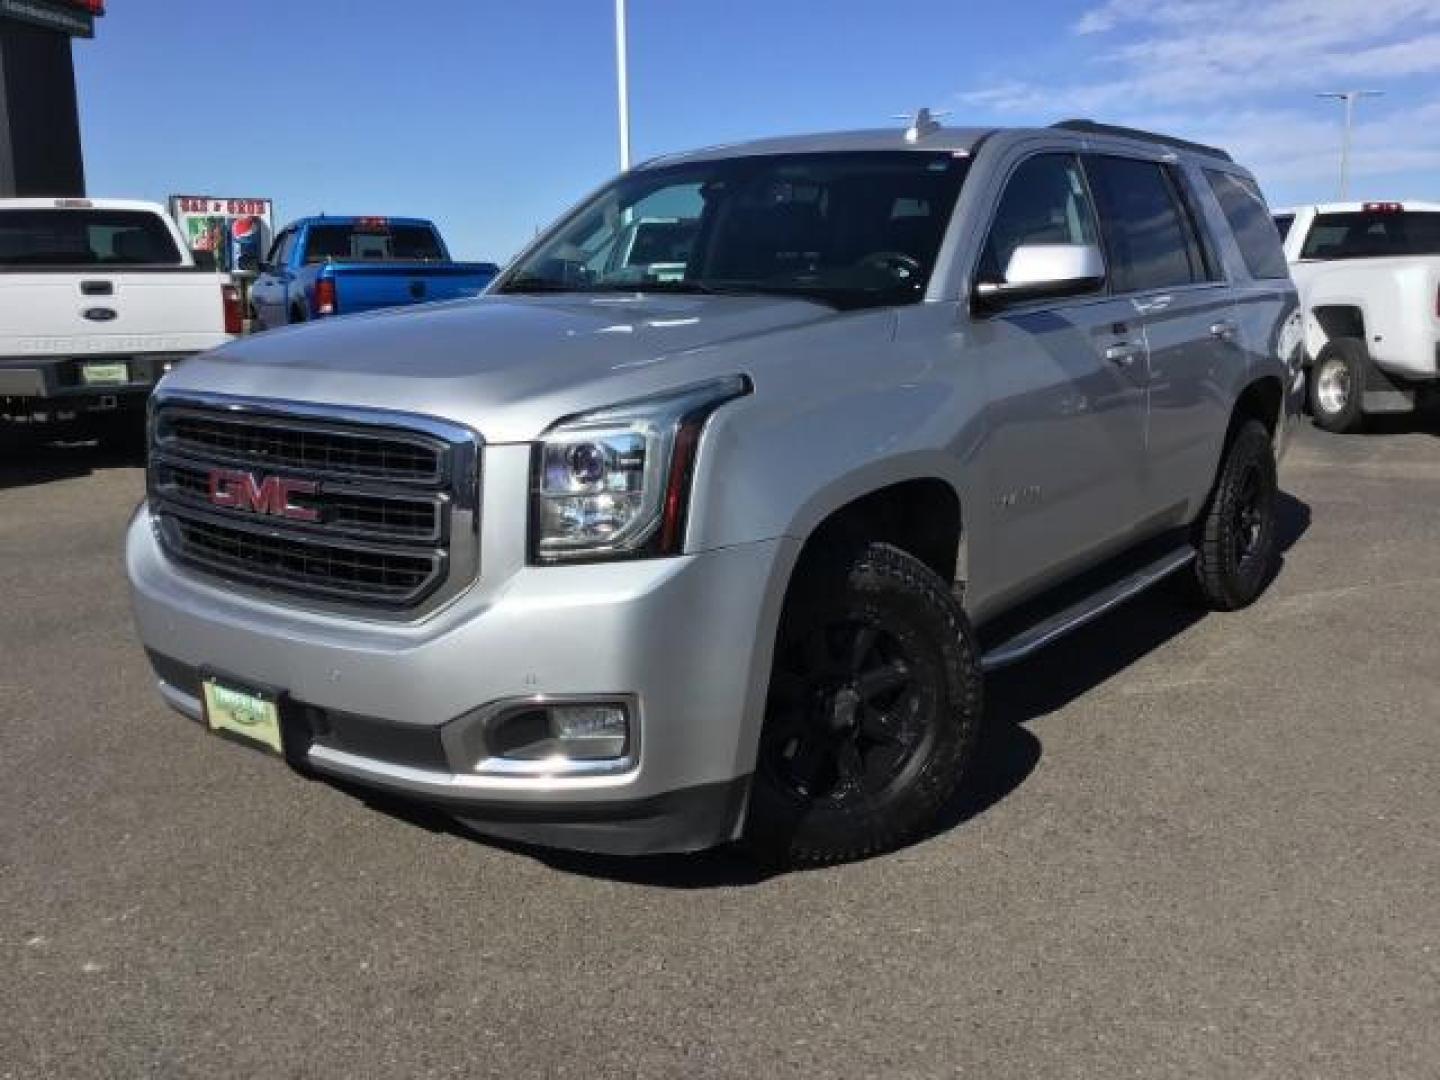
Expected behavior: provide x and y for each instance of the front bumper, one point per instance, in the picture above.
(686, 639)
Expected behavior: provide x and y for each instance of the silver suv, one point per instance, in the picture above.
(714, 538)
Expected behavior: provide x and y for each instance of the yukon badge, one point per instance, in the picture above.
(235, 489)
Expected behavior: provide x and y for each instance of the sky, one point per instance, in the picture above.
(492, 117)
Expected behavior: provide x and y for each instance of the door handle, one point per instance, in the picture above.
(1224, 330)
(1153, 304)
(1123, 353)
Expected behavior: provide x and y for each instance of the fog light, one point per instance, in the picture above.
(590, 732)
(552, 733)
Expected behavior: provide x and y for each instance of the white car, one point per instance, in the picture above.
(101, 298)
(1369, 281)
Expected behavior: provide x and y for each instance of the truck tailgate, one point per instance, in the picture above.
(365, 287)
(123, 312)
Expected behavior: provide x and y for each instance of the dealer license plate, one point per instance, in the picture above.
(245, 714)
(105, 374)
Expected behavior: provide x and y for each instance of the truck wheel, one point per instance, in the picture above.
(1337, 386)
(872, 716)
(1237, 537)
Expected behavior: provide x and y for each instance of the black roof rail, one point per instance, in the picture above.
(1092, 128)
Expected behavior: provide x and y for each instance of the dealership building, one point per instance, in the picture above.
(39, 116)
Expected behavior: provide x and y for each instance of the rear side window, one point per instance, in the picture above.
(1045, 202)
(85, 238)
(1255, 231)
(1373, 234)
(1149, 236)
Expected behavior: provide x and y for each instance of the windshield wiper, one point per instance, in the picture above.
(535, 284)
(656, 287)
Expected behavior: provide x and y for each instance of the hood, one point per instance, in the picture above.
(509, 366)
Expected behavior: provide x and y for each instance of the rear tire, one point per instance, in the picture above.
(872, 716)
(1337, 386)
(1237, 537)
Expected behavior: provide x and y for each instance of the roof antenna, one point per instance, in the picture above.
(923, 122)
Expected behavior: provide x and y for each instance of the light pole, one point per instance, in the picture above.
(1349, 97)
(622, 75)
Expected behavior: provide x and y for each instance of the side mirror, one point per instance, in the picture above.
(205, 260)
(1044, 271)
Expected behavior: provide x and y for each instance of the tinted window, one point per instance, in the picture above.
(1045, 202)
(1255, 233)
(85, 238)
(376, 241)
(1282, 225)
(848, 229)
(1373, 234)
(1147, 235)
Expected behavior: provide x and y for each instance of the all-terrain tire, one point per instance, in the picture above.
(875, 665)
(1337, 386)
(1237, 537)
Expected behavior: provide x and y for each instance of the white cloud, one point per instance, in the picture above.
(1240, 73)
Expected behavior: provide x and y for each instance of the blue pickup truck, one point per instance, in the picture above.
(323, 266)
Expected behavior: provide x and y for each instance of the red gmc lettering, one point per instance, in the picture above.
(235, 489)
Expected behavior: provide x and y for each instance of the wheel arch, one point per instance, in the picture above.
(921, 515)
(1262, 399)
(1335, 319)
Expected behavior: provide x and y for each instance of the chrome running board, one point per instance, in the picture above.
(1036, 637)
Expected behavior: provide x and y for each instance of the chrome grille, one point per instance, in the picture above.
(280, 445)
(383, 513)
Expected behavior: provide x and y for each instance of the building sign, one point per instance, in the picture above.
(73, 17)
(236, 231)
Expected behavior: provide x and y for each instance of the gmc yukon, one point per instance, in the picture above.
(637, 559)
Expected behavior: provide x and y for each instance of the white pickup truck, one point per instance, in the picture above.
(1369, 280)
(100, 297)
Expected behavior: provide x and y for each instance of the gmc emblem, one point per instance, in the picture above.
(235, 489)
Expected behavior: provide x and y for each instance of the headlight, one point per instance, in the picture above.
(616, 482)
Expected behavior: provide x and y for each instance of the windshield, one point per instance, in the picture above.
(847, 229)
(376, 241)
(1373, 234)
(85, 238)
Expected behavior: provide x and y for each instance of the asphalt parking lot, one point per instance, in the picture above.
(1201, 847)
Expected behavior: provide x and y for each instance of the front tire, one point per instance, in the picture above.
(1337, 386)
(1237, 539)
(872, 716)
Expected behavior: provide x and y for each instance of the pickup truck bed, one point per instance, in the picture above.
(361, 286)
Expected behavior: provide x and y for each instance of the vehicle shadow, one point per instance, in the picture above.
(1416, 422)
(26, 460)
(1007, 754)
